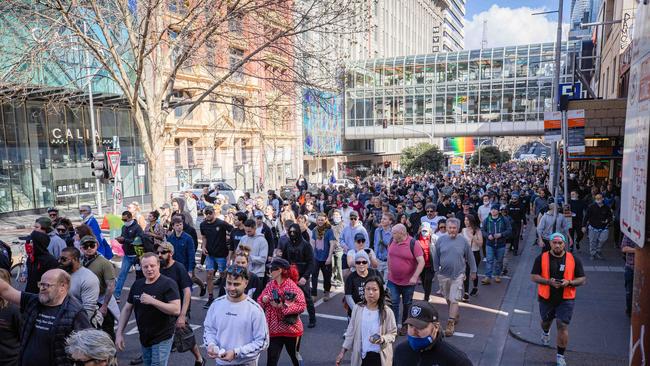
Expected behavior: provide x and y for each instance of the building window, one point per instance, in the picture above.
(235, 57)
(178, 6)
(238, 113)
(190, 153)
(235, 24)
(177, 152)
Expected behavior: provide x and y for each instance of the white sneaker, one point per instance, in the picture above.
(560, 360)
(546, 338)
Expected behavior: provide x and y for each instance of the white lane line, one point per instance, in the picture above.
(332, 294)
(461, 334)
(517, 311)
(135, 329)
(327, 316)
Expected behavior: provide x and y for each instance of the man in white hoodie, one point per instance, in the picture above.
(259, 248)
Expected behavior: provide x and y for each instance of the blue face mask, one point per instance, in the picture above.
(418, 343)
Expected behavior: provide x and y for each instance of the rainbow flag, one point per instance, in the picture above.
(462, 145)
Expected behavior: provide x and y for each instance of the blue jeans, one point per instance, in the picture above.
(494, 257)
(406, 292)
(127, 262)
(157, 354)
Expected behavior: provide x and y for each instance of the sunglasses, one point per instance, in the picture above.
(361, 262)
(353, 219)
(162, 252)
(237, 271)
(88, 245)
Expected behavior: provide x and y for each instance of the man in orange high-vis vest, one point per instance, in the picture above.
(557, 274)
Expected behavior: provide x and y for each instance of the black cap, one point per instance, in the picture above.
(278, 262)
(421, 314)
(359, 236)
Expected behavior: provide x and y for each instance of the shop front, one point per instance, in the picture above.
(45, 151)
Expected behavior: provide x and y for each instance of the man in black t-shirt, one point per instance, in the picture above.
(157, 304)
(236, 234)
(46, 316)
(557, 274)
(177, 272)
(214, 235)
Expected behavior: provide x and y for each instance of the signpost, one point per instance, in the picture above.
(552, 126)
(576, 133)
(634, 193)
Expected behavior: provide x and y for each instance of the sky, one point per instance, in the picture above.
(510, 22)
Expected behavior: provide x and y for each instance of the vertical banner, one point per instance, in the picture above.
(576, 133)
(552, 126)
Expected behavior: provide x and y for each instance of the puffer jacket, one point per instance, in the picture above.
(275, 316)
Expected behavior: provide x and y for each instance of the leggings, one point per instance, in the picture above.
(275, 349)
(477, 259)
(426, 276)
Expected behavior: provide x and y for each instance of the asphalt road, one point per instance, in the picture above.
(321, 344)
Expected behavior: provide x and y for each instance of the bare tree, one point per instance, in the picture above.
(141, 47)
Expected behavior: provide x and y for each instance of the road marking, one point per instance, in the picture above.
(517, 311)
(619, 269)
(461, 334)
(136, 331)
(332, 294)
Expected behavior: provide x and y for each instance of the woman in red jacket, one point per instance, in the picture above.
(283, 302)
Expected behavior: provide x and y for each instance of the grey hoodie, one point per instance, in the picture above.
(259, 253)
(56, 244)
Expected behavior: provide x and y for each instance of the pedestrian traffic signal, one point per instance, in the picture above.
(99, 167)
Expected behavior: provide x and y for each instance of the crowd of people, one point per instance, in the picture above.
(263, 258)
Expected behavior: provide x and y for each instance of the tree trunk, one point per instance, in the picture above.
(157, 178)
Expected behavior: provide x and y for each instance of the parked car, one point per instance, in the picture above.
(220, 186)
(344, 182)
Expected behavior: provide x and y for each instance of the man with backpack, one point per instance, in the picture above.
(405, 262)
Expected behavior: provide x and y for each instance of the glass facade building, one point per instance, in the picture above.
(45, 155)
(494, 85)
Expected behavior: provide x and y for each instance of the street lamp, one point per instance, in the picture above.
(479, 150)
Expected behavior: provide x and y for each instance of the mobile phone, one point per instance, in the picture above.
(375, 338)
(557, 281)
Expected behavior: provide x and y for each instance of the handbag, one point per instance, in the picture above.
(184, 339)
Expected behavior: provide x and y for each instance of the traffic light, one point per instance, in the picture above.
(99, 166)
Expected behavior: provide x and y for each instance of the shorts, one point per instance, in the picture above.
(452, 288)
(211, 261)
(562, 311)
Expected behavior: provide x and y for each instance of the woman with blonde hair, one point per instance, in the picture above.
(10, 331)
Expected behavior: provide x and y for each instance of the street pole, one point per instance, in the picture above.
(565, 155)
(93, 129)
(556, 86)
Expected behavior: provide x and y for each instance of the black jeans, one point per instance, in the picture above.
(576, 234)
(516, 232)
(327, 277)
(477, 259)
(372, 359)
(311, 310)
(276, 344)
(426, 276)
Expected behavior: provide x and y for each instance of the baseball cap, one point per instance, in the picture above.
(421, 314)
(278, 262)
(165, 245)
(87, 239)
(259, 214)
(359, 236)
(496, 206)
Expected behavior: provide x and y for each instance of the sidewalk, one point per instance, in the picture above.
(599, 330)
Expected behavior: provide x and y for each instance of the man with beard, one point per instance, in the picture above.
(235, 326)
(178, 273)
(557, 274)
(156, 303)
(48, 319)
(84, 285)
(299, 252)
